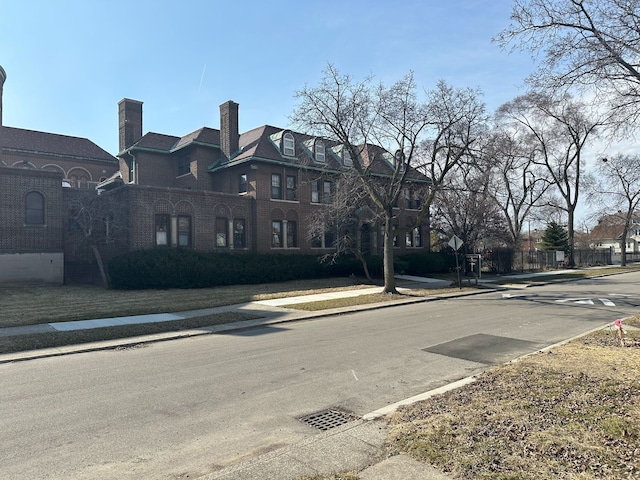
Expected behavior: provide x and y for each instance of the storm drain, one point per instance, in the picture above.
(328, 419)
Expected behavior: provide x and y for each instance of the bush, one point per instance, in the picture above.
(183, 268)
(425, 263)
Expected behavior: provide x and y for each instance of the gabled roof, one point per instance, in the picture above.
(42, 143)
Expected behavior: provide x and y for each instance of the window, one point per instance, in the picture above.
(417, 237)
(412, 200)
(242, 183)
(276, 186)
(288, 145)
(34, 209)
(292, 234)
(184, 231)
(319, 151)
(346, 158)
(239, 233)
(163, 222)
(276, 236)
(184, 165)
(325, 240)
(326, 192)
(221, 232)
(291, 187)
(321, 196)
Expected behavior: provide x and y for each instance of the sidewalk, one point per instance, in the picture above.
(354, 447)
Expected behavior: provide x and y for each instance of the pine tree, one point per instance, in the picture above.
(555, 238)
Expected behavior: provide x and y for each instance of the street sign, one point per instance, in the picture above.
(455, 242)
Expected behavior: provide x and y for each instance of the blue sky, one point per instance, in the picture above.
(69, 62)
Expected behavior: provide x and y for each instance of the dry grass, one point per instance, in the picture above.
(570, 413)
(29, 304)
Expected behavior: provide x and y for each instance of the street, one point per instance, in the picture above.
(184, 408)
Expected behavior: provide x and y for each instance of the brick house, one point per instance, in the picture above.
(34, 166)
(211, 190)
(219, 190)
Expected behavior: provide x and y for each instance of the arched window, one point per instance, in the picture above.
(288, 145)
(34, 209)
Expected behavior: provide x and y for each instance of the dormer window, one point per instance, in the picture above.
(346, 158)
(288, 145)
(319, 152)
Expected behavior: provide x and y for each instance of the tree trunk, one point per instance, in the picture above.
(623, 247)
(365, 267)
(103, 273)
(389, 274)
(572, 262)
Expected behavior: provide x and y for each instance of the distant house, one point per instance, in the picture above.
(607, 234)
(210, 190)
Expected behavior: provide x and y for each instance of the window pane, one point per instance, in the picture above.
(242, 183)
(221, 232)
(292, 234)
(315, 194)
(319, 152)
(162, 229)
(291, 187)
(289, 145)
(276, 227)
(276, 188)
(239, 239)
(326, 192)
(184, 231)
(34, 209)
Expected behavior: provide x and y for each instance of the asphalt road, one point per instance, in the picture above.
(184, 408)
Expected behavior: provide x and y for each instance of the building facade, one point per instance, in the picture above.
(210, 190)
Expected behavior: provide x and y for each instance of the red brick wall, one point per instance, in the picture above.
(15, 235)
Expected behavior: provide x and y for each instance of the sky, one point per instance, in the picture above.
(69, 62)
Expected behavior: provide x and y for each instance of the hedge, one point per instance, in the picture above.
(184, 268)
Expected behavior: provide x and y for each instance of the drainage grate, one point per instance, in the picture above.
(328, 419)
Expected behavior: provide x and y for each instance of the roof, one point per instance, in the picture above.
(611, 226)
(262, 144)
(169, 143)
(42, 143)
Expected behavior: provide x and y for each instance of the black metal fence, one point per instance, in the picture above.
(510, 261)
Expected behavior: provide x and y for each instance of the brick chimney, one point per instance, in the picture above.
(229, 135)
(3, 77)
(129, 122)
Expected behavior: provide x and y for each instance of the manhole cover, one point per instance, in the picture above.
(328, 419)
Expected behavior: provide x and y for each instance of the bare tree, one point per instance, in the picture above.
(517, 183)
(616, 188)
(99, 221)
(370, 121)
(560, 128)
(466, 209)
(585, 44)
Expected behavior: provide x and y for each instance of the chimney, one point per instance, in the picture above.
(3, 77)
(129, 122)
(229, 135)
